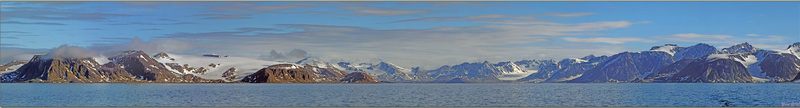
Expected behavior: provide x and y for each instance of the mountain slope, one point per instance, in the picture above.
(695, 51)
(68, 70)
(713, 71)
(626, 66)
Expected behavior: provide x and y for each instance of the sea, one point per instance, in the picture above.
(402, 94)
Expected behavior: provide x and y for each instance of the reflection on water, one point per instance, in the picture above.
(398, 94)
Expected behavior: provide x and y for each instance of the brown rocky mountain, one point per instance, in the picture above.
(290, 73)
(280, 73)
(163, 55)
(128, 67)
(358, 77)
(327, 75)
(143, 67)
(68, 70)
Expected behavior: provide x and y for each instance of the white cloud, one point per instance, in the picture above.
(379, 11)
(569, 14)
(764, 42)
(700, 38)
(753, 35)
(607, 40)
(411, 47)
(488, 18)
(770, 47)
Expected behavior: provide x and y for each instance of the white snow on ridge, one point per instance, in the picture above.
(400, 69)
(720, 56)
(577, 60)
(244, 66)
(15, 67)
(791, 50)
(569, 78)
(515, 76)
(746, 60)
(101, 60)
(668, 49)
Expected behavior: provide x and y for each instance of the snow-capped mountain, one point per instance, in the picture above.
(382, 71)
(761, 65)
(671, 49)
(740, 48)
(314, 61)
(575, 67)
(626, 66)
(697, 63)
(545, 70)
(143, 66)
(793, 49)
(466, 72)
(712, 70)
(694, 51)
(211, 67)
(389, 68)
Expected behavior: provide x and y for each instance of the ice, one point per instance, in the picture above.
(244, 66)
(515, 76)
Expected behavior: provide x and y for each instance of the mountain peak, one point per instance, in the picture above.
(161, 55)
(795, 45)
(740, 48)
(668, 48)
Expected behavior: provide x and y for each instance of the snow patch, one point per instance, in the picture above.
(290, 67)
(577, 60)
(244, 66)
(101, 59)
(15, 67)
(569, 78)
(516, 76)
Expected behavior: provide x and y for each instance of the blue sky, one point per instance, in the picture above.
(407, 33)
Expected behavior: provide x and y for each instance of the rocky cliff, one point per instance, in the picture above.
(358, 77)
(280, 73)
(713, 71)
(68, 70)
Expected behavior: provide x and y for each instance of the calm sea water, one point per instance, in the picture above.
(551, 94)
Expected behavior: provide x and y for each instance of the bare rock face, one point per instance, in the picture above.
(230, 74)
(163, 55)
(68, 70)
(177, 67)
(358, 77)
(143, 67)
(626, 66)
(213, 65)
(665, 72)
(280, 73)
(783, 67)
(194, 79)
(324, 75)
(713, 71)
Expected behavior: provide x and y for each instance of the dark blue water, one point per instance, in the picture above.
(552, 94)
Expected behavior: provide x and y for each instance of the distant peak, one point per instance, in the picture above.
(161, 54)
(701, 44)
(743, 44)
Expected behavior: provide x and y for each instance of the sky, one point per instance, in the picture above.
(409, 34)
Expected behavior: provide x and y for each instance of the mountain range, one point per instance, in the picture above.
(700, 63)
